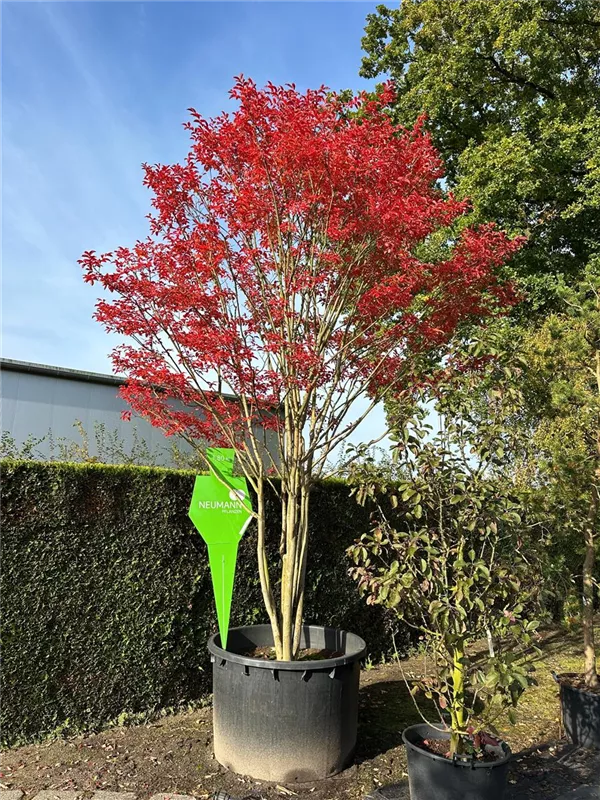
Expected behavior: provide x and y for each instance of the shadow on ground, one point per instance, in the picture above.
(385, 709)
(545, 772)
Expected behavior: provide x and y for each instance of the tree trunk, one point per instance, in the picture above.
(292, 525)
(300, 579)
(457, 709)
(295, 520)
(591, 674)
(263, 571)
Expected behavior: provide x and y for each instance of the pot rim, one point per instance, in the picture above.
(457, 762)
(356, 652)
(588, 692)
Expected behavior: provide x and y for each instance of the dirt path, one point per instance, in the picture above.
(174, 753)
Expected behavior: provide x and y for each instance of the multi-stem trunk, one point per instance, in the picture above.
(286, 619)
(457, 708)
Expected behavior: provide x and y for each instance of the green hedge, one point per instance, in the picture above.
(106, 593)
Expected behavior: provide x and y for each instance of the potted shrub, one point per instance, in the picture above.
(277, 300)
(454, 562)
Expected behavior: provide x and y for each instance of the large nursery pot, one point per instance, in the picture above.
(580, 713)
(434, 777)
(285, 720)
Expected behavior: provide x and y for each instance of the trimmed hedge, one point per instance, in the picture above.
(106, 593)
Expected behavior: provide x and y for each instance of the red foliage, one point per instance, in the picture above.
(281, 259)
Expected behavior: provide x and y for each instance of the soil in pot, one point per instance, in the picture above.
(577, 682)
(432, 774)
(308, 654)
(440, 747)
(580, 708)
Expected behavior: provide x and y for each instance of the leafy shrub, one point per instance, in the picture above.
(459, 565)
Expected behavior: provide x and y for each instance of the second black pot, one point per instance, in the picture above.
(580, 714)
(434, 777)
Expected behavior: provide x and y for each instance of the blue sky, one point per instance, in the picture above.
(93, 89)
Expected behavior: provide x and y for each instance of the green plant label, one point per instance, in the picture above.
(221, 511)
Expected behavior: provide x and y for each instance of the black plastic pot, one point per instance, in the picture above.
(431, 776)
(285, 720)
(580, 714)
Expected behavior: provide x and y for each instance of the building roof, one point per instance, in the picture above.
(12, 365)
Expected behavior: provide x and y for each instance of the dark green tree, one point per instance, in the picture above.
(511, 91)
(563, 383)
(531, 406)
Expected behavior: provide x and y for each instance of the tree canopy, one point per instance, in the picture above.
(281, 265)
(511, 90)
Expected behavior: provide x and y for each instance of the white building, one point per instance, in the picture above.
(69, 413)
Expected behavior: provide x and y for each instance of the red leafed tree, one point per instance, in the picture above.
(282, 266)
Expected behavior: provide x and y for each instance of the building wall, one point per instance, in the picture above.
(45, 402)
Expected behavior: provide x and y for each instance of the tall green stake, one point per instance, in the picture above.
(221, 511)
